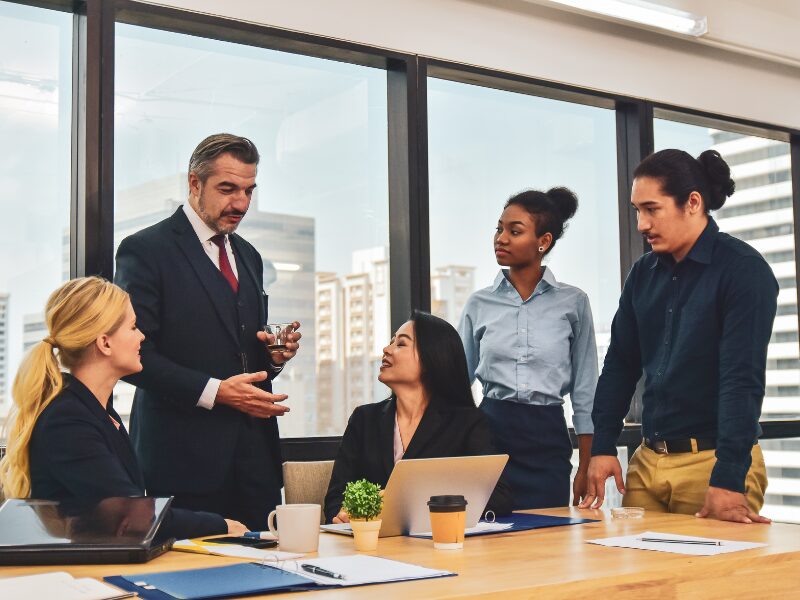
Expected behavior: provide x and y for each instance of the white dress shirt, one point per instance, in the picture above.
(204, 234)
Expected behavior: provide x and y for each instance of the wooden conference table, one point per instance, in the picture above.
(553, 563)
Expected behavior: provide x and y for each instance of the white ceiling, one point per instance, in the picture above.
(768, 29)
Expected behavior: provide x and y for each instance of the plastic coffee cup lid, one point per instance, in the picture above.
(447, 503)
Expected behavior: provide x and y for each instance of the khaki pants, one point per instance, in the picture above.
(677, 483)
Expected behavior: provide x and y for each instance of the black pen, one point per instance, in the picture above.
(320, 571)
(667, 541)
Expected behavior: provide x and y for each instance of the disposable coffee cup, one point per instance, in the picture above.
(448, 520)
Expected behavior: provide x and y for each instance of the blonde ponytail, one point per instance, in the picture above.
(77, 313)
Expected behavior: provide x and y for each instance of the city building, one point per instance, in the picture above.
(352, 327)
(761, 213)
(330, 356)
(34, 329)
(451, 286)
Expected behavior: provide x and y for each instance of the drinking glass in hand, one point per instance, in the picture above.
(277, 336)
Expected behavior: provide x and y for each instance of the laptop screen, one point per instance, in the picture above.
(107, 522)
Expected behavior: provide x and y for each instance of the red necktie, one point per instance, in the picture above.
(224, 263)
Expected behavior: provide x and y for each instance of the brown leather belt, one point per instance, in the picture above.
(679, 446)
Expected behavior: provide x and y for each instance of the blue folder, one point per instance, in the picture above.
(526, 521)
(242, 579)
(216, 582)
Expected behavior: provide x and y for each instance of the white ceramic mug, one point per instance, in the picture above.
(299, 527)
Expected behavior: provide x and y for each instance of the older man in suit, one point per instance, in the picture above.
(202, 421)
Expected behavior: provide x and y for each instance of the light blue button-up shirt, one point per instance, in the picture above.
(533, 351)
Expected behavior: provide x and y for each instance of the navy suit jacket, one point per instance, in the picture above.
(188, 313)
(367, 450)
(76, 453)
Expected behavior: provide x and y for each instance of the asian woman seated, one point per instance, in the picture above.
(430, 414)
(66, 442)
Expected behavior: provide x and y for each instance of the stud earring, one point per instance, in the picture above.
(541, 248)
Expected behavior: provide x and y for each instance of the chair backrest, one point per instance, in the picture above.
(307, 482)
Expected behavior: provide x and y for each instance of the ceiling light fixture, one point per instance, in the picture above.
(643, 13)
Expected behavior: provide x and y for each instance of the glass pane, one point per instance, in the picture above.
(782, 457)
(319, 217)
(484, 146)
(35, 105)
(760, 213)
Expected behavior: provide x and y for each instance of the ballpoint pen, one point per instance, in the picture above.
(670, 541)
(320, 571)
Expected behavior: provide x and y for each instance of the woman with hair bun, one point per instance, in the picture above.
(66, 442)
(695, 317)
(529, 340)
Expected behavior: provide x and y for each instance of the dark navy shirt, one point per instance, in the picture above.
(699, 330)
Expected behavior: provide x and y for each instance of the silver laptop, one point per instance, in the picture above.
(414, 481)
(112, 530)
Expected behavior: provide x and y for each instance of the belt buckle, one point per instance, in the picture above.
(660, 447)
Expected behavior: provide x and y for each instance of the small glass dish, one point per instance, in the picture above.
(627, 512)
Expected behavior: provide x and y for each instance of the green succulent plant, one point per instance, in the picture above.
(362, 499)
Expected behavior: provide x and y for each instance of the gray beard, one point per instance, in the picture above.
(208, 220)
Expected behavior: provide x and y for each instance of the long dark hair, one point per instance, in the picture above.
(680, 174)
(443, 363)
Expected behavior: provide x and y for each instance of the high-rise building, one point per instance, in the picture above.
(367, 326)
(330, 354)
(34, 330)
(286, 243)
(3, 348)
(353, 325)
(451, 287)
(761, 213)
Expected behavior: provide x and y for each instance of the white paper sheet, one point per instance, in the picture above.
(58, 585)
(481, 527)
(235, 551)
(360, 569)
(635, 541)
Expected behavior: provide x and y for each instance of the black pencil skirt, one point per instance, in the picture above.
(537, 441)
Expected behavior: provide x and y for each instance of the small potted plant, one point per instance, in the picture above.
(363, 503)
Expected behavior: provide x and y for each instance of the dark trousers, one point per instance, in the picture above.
(537, 442)
(248, 495)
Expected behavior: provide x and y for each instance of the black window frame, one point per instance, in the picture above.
(92, 185)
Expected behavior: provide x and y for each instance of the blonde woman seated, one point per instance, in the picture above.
(66, 442)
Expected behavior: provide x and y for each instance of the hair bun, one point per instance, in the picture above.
(565, 202)
(718, 174)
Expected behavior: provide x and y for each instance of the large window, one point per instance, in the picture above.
(484, 146)
(320, 214)
(760, 213)
(320, 217)
(35, 105)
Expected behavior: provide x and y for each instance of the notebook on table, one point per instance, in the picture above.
(517, 521)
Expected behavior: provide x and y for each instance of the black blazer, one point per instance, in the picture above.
(188, 312)
(77, 453)
(367, 449)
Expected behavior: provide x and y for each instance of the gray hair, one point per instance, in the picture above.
(216, 145)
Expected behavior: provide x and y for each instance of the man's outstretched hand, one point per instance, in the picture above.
(239, 393)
